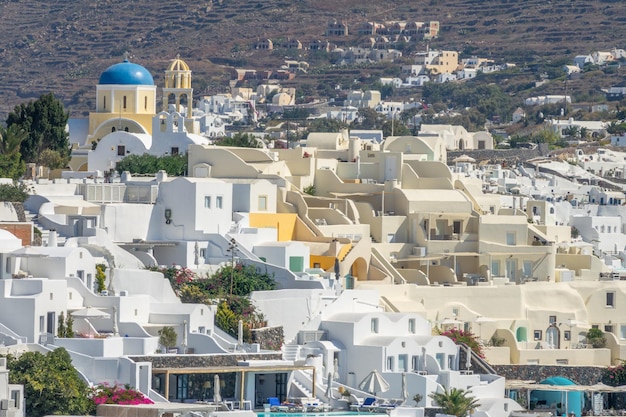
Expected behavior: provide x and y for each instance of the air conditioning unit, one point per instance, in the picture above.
(104, 292)
(123, 293)
(6, 404)
(419, 251)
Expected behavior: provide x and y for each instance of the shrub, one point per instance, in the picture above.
(168, 337)
(115, 394)
(13, 192)
(596, 338)
(615, 375)
(461, 336)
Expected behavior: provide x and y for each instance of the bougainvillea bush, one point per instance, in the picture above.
(469, 338)
(116, 394)
(615, 375)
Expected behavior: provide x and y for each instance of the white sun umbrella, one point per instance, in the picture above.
(329, 386)
(405, 389)
(374, 382)
(90, 313)
(468, 358)
(217, 396)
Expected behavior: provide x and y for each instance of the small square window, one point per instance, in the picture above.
(174, 151)
(121, 150)
(537, 334)
(552, 319)
(567, 335)
(218, 202)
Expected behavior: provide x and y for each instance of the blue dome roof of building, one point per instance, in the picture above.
(126, 73)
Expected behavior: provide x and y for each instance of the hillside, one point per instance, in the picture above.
(62, 46)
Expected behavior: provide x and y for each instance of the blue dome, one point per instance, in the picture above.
(126, 73)
(557, 380)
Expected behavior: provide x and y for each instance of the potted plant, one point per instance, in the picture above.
(167, 337)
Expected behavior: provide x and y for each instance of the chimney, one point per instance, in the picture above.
(52, 238)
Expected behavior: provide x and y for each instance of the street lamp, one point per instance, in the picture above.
(232, 248)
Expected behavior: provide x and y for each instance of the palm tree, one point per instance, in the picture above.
(455, 402)
(10, 139)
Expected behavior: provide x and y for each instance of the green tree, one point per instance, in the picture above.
(596, 338)
(455, 402)
(51, 384)
(69, 326)
(395, 128)
(167, 337)
(174, 165)
(241, 140)
(369, 119)
(326, 125)
(17, 192)
(44, 121)
(100, 277)
(193, 294)
(11, 163)
(51, 159)
(61, 329)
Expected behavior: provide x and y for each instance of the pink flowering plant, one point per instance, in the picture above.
(117, 394)
(469, 338)
(615, 375)
(177, 275)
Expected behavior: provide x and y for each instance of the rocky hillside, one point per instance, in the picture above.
(62, 46)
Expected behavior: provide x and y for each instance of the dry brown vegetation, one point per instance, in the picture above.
(62, 46)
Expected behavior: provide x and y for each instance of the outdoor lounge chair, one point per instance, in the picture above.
(275, 404)
(367, 405)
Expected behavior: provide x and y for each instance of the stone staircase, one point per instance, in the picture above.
(290, 351)
(45, 233)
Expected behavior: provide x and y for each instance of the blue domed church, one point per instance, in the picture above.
(125, 101)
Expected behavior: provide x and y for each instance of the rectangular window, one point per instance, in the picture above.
(456, 227)
(15, 396)
(567, 335)
(537, 334)
(495, 268)
(390, 363)
(218, 202)
(403, 362)
(262, 203)
(174, 151)
(124, 102)
(374, 326)
(441, 357)
(528, 268)
(207, 201)
(608, 328)
(42, 321)
(552, 319)
(510, 238)
(622, 332)
(121, 150)
(412, 326)
(610, 299)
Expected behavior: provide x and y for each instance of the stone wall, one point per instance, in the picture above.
(203, 361)
(581, 375)
(271, 338)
